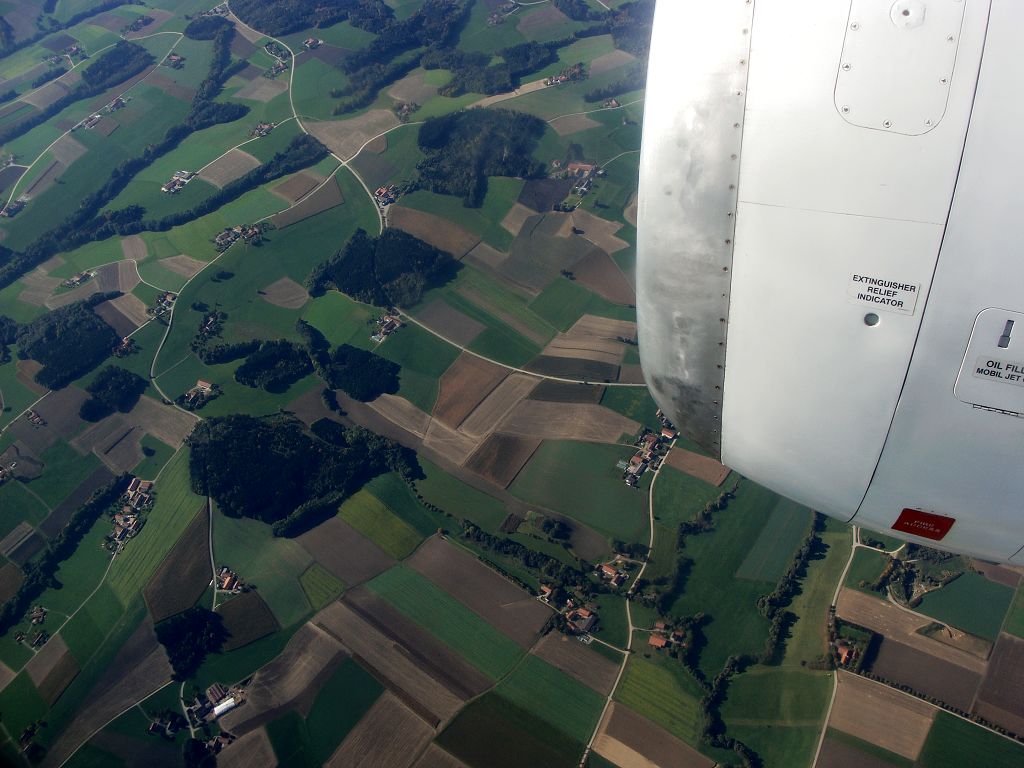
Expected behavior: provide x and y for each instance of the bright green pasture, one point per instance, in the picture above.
(458, 499)
(664, 692)
(953, 743)
(392, 491)
(65, 470)
(379, 524)
(564, 301)
(319, 585)
(424, 358)
(971, 603)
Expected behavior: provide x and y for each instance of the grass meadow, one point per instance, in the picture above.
(373, 519)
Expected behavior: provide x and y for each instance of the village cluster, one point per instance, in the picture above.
(651, 449)
(177, 182)
(36, 617)
(76, 280)
(249, 233)
(663, 636)
(386, 195)
(503, 10)
(199, 395)
(128, 522)
(571, 74)
(164, 304)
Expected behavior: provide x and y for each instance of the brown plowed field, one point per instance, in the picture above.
(183, 575)
(119, 276)
(931, 676)
(131, 307)
(27, 549)
(345, 137)
(298, 186)
(106, 126)
(486, 416)
(45, 180)
(435, 757)
(390, 735)
(565, 126)
(170, 87)
(999, 699)
(501, 457)
(631, 374)
(449, 322)
(345, 552)
(16, 536)
(6, 675)
(463, 386)
(997, 573)
(253, 750)
(27, 370)
(881, 715)
(538, 20)
(632, 741)
(572, 368)
(578, 661)
(247, 618)
(610, 61)
(541, 194)
(11, 578)
(377, 146)
(412, 88)
(43, 662)
(9, 177)
(479, 299)
(230, 166)
(499, 601)
(67, 149)
(599, 350)
(568, 421)
(167, 424)
(516, 217)
(439, 232)
(114, 441)
(702, 467)
(46, 95)
(115, 319)
(403, 413)
(57, 519)
(454, 446)
(38, 287)
(563, 392)
(285, 293)
(182, 265)
(898, 625)
(52, 669)
(434, 657)
(485, 255)
(297, 673)
(323, 199)
(60, 410)
(309, 407)
(600, 274)
(836, 754)
(134, 248)
(29, 467)
(390, 663)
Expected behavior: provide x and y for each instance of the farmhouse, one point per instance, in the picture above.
(176, 61)
(657, 641)
(12, 208)
(177, 181)
(139, 494)
(611, 574)
(262, 129)
(312, 43)
(581, 619)
(229, 581)
(386, 195)
(77, 280)
(119, 103)
(33, 418)
(91, 121)
(545, 592)
(386, 325)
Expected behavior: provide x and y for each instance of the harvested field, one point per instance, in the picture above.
(434, 657)
(881, 715)
(58, 42)
(542, 194)
(500, 602)
(45, 180)
(702, 467)
(501, 457)
(579, 661)
(632, 741)
(170, 87)
(120, 276)
(298, 186)
(403, 413)
(932, 676)
(292, 678)
(610, 61)
(564, 392)
(898, 625)
(262, 89)
(502, 399)
(607, 351)
(390, 663)
(454, 446)
(60, 411)
(106, 126)
(29, 467)
(228, 167)
(249, 72)
(183, 575)
(600, 232)
(38, 287)
(629, 212)
(573, 368)
(309, 407)
(486, 256)
(631, 374)
(67, 149)
(167, 424)
(6, 675)
(159, 17)
(997, 573)
(27, 549)
(435, 757)
(390, 735)
(243, 48)
(564, 126)
(377, 146)
(568, 421)
(999, 699)
(412, 88)
(253, 750)
(345, 552)
(12, 540)
(463, 386)
(9, 176)
(142, 668)
(52, 669)
(122, 450)
(182, 265)
(329, 54)
(836, 754)
(345, 138)
(57, 519)
(440, 233)
(516, 217)
(124, 314)
(247, 618)
(45, 96)
(11, 578)
(325, 198)
(540, 19)
(600, 274)
(285, 293)
(450, 323)
(476, 297)
(591, 328)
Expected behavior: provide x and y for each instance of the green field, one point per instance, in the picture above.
(81, 573)
(484, 221)
(342, 701)
(21, 704)
(85, 632)
(374, 520)
(632, 402)
(424, 358)
(663, 692)
(954, 743)
(151, 465)
(889, 758)
(866, 567)
(790, 746)
(15, 397)
(564, 302)
(971, 603)
(340, 319)
(612, 627)
(788, 525)
(65, 470)
(450, 621)
(582, 481)
(679, 497)
(458, 499)
(18, 506)
(771, 696)
(319, 585)
(1015, 619)
(393, 493)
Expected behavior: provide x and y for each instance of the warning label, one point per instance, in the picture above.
(999, 370)
(884, 293)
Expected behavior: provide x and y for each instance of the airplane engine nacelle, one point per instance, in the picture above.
(830, 276)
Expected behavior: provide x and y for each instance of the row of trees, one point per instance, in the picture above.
(282, 17)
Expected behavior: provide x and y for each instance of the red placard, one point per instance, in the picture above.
(928, 525)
